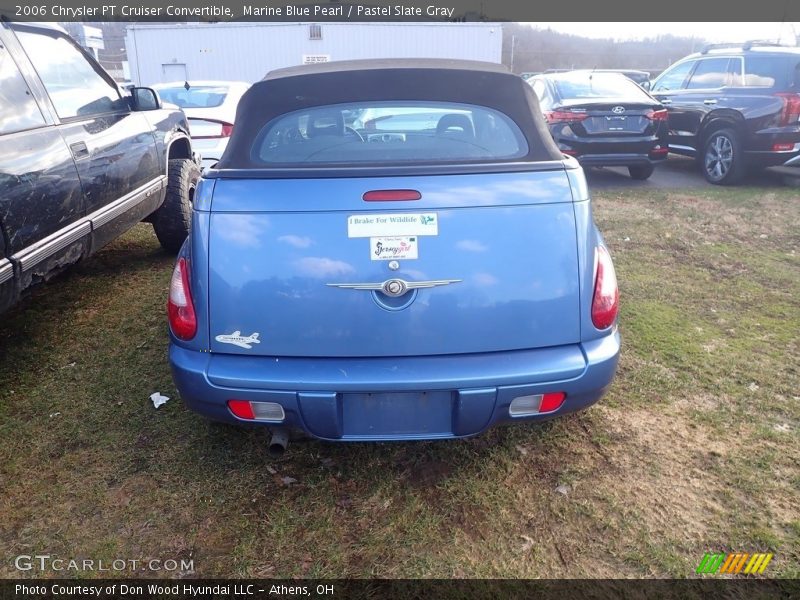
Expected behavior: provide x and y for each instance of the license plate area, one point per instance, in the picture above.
(390, 414)
(616, 124)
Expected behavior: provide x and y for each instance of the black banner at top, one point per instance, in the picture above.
(400, 10)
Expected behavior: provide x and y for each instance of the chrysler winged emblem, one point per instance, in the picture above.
(394, 287)
(618, 110)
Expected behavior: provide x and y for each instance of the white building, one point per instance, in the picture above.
(247, 51)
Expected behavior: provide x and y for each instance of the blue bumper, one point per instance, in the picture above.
(374, 399)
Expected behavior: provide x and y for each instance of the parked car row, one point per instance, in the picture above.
(733, 107)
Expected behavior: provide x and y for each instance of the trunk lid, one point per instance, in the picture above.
(609, 117)
(496, 254)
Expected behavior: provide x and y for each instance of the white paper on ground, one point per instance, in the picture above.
(158, 399)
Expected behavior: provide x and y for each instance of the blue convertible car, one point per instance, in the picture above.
(392, 250)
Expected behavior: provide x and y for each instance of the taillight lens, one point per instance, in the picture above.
(563, 116)
(605, 303)
(209, 129)
(657, 115)
(791, 108)
(180, 308)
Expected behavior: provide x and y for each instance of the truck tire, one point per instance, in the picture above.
(640, 172)
(723, 161)
(172, 221)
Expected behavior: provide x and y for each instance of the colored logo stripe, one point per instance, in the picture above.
(714, 562)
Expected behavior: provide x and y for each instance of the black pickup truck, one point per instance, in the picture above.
(81, 160)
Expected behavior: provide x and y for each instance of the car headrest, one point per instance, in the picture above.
(455, 124)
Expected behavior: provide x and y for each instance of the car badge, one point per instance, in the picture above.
(394, 265)
(618, 110)
(237, 339)
(394, 287)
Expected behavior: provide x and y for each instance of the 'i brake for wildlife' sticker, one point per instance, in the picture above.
(392, 248)
(392, 225)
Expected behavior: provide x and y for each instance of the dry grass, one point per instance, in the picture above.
(695, 448)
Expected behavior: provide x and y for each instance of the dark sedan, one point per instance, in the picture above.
(604, 119)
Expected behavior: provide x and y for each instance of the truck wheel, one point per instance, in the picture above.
(640, 172)
(723, 161)
(172, 221)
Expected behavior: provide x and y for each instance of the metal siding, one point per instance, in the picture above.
(247, 51)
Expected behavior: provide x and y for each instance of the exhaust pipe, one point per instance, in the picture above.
(279, 442)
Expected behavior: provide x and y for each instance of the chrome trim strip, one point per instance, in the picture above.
(792, 162)
(34, 254)
(679, 147)
(6, 270)
(118, 207)
(55, 242)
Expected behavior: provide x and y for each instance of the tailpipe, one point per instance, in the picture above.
(279, 442)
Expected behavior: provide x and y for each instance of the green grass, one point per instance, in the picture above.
(694, 449)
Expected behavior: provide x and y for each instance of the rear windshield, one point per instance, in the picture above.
(771, 71)
(387, 133)
(598, 85)
(201, 96)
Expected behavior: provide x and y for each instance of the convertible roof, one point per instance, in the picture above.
(386, 63)
(467, 82)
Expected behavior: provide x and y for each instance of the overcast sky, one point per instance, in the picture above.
(715, 32)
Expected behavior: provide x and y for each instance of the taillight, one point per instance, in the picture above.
(657, 115)
(180, 308)
(563, 116)
(257, 411)
(210, 129)
(534, 404)
(791, 108)
(605, 303)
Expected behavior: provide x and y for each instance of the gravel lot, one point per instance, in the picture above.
(680, 172)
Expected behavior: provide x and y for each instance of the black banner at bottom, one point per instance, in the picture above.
(705, 589)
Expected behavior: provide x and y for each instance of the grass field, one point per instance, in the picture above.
(694, 449)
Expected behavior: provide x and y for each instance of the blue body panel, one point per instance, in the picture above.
(350, 364)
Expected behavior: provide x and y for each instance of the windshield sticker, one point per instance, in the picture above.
(391, 225)
(237, 339)
(390, 248)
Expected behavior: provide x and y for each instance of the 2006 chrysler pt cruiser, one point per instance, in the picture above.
(392, 250)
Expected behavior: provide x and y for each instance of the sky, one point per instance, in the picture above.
(712, 32)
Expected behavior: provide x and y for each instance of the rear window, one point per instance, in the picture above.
(200, 96)
(770, 71)
(598, 85)
(389, 133)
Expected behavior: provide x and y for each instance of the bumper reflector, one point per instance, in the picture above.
(536, 404)
(257, 411)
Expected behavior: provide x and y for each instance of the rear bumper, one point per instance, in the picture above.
(364, 399)
(760, 147)
(619, 160)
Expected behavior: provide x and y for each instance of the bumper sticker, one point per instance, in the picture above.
(390, 248)
(392, 225)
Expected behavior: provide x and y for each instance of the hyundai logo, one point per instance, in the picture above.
(618, 110)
